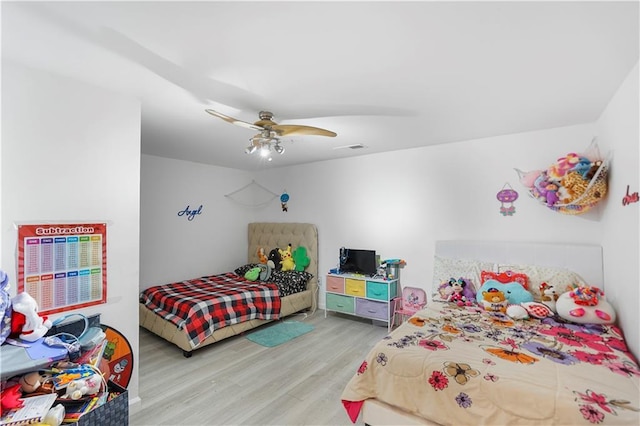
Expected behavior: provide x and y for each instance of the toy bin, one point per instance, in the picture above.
(114, 412)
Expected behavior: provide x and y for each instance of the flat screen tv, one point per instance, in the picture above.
(357, 261)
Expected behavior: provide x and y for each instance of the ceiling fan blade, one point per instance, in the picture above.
(294, 129)
(234, 120)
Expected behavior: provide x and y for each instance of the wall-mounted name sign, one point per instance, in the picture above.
(190, 214)
(630, 198)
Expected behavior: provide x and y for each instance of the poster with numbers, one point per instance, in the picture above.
(63, 266)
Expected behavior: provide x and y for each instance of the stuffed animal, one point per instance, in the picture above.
(457, 294)
(262, 258)
(274, 259)
(513, 291)
(25, 320)
(585, 305)
(286, 259)
(549, 295)
(494, 300)
(300, 258)
(78, 388)
(5, 307)
(31, 382)
(253, 274)
(10, 398)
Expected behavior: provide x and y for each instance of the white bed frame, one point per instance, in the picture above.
(584, 259)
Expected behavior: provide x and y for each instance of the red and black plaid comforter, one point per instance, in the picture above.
(202, 305)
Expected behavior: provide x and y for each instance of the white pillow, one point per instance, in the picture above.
(561, 279)
(445, 268)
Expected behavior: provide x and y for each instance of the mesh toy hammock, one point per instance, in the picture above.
(572, 185)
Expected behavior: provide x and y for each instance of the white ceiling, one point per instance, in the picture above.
(388, 75)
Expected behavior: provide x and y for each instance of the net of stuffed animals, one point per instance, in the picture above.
(572, 185)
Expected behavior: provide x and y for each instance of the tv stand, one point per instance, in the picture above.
(361, 296)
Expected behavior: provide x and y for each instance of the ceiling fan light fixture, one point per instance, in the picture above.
(278, 148)
(250, 149)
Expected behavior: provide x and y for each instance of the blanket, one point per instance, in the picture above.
(465, 366)
(202, 305)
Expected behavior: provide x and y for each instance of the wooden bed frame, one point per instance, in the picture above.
(583, 259)
(267, 236)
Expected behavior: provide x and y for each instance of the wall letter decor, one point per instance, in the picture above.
(630, 198)
(190, 214)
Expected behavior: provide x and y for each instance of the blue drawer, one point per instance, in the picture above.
(376, 290)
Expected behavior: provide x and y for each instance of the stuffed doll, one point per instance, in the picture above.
(25, 320)
(494, 300)
(549, 295)
(457, 292)
(286, 259)
(274, 259)
(5, 307)
(78, 388)
(300, 258)
(11, 398)
(262, 258)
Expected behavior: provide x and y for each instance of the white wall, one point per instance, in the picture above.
(619, 132)
(71, 152)
(175, 248)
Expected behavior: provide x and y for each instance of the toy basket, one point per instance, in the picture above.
(594, 191)
(573, 185)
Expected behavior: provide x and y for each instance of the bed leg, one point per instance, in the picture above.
(187, 354)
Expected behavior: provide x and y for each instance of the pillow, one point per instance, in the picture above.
(290, 282)
(445, 268)
(506, 277)
(242, 270)
(561, 279)
(513, 291)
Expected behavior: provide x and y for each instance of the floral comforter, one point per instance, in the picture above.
(464, 366)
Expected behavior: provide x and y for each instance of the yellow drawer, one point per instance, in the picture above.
(355, 287)
(335, 284)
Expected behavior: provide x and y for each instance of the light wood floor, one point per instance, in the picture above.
(238, 382)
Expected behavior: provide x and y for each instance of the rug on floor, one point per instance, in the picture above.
(277, 334)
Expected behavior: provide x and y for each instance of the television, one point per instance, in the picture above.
(356, 261)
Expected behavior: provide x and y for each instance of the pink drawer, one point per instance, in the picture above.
(335, 284)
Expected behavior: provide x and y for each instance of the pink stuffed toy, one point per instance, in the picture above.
(457, 295)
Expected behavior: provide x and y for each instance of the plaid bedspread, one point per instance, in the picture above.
(202, 305)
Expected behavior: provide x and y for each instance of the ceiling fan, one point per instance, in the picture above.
(270, 132)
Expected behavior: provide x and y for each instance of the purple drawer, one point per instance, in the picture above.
(372, 309)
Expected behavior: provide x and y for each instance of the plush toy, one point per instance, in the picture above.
(549, 295)
(25, 320)
(262, 258)
(517, 312)
(252, 274)
(10, 398)
(457, 294)
(78, 388)
(5, 307)
(31, 382)
(494, 300)
(513, 291)
(286, 259)
(265, 272)
(274, 259)
(300, 258)
(585, 305)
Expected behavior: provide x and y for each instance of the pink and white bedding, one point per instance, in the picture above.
(200, 306)
(463, 365)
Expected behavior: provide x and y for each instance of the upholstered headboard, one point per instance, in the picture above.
(584, 259)
(269, 235)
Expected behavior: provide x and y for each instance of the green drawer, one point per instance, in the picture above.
(376, 290)
(338, 302)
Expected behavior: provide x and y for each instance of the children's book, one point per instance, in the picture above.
(33, 410)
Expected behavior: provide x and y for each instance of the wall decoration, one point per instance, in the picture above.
(572, 185)
(190, 214)
(252, 195)
(507, 195)
(63, 266)
(284, 198)
(630, 198)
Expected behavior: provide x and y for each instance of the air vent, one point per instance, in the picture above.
(354, 146)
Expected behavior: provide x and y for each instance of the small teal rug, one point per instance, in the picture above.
(277, 334)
